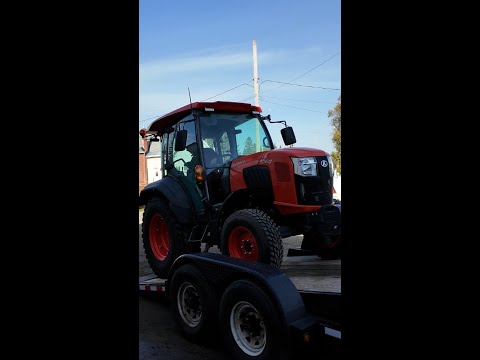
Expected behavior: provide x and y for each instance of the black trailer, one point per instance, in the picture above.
(256, 310)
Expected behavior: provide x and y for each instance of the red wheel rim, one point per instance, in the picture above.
(159, 239)
(242, 244)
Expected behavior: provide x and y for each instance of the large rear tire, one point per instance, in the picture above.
(251, 234)
(163, 238)
(250, 325)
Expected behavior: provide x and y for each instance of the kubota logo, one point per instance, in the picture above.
(324, 163)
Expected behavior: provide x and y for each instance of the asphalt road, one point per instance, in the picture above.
(159, 337)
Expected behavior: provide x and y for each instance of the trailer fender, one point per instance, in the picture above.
(221, 270)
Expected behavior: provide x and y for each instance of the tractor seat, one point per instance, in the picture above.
(212, 159)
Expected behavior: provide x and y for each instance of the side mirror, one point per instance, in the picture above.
(288, 136)
(150, 140)
(181, 140)
(168, 130)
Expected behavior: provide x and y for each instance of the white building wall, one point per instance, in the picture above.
(337, 185)
(154, 172)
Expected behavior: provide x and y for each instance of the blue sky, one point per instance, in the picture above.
(207, 46)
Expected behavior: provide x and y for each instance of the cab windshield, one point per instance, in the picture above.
(226, 136)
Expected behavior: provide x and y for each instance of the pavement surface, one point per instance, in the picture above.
(159, 337)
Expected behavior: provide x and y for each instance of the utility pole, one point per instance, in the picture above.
(255, 93)
(255, 72)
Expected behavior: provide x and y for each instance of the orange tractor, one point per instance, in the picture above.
(224, 184)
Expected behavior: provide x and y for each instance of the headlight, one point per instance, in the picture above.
(330, 165)
(305, 166)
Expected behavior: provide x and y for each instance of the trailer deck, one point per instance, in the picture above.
(309, 273)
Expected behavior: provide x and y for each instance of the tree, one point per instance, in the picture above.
(336, 122)
(249, 146)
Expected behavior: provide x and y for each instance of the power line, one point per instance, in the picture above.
(154, 117)
(331, 57)
(227, 91)
(293, 107)
(248, 98)
(298, 77)
(312, 101)
(310, 86)
(280, 82)
(274, 97)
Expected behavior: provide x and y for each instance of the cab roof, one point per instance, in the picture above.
(173, 117)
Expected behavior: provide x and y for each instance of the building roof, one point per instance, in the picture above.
(155, 150)
(141, 150)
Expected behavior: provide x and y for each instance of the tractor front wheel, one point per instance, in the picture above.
(252, 235)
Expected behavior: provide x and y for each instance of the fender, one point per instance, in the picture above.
(241, 199)
(180, 202)
(221, 271)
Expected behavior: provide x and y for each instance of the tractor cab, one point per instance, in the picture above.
(199, 149)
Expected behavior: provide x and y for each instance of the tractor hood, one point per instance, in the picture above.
(296, 152)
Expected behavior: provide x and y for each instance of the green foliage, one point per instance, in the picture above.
(210, 143)
(249, 147)
(336, 121)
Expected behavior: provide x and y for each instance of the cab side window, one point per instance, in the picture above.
(225, 147)
(188, 158)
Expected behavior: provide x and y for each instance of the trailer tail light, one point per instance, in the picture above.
(306, 338)
(199, 173)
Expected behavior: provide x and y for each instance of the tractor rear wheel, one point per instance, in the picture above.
(163, 238)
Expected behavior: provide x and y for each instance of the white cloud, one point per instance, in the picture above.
(212, 61)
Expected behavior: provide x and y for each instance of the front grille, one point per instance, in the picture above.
(257, 177)
(315, 190)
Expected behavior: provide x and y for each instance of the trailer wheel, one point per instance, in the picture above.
(251, 234)
(249, 324)
(163, 237)
(328, 247)
(194, 303)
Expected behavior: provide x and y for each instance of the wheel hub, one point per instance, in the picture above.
(189, 306)
(248, 328)
(247, 247)
(243, 244)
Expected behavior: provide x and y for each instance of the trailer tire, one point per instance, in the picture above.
(249, 324)
(251, 234)
(163, 237)
(194, 304)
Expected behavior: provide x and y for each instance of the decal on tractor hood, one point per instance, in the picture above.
(238, 163)
(264, 161)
